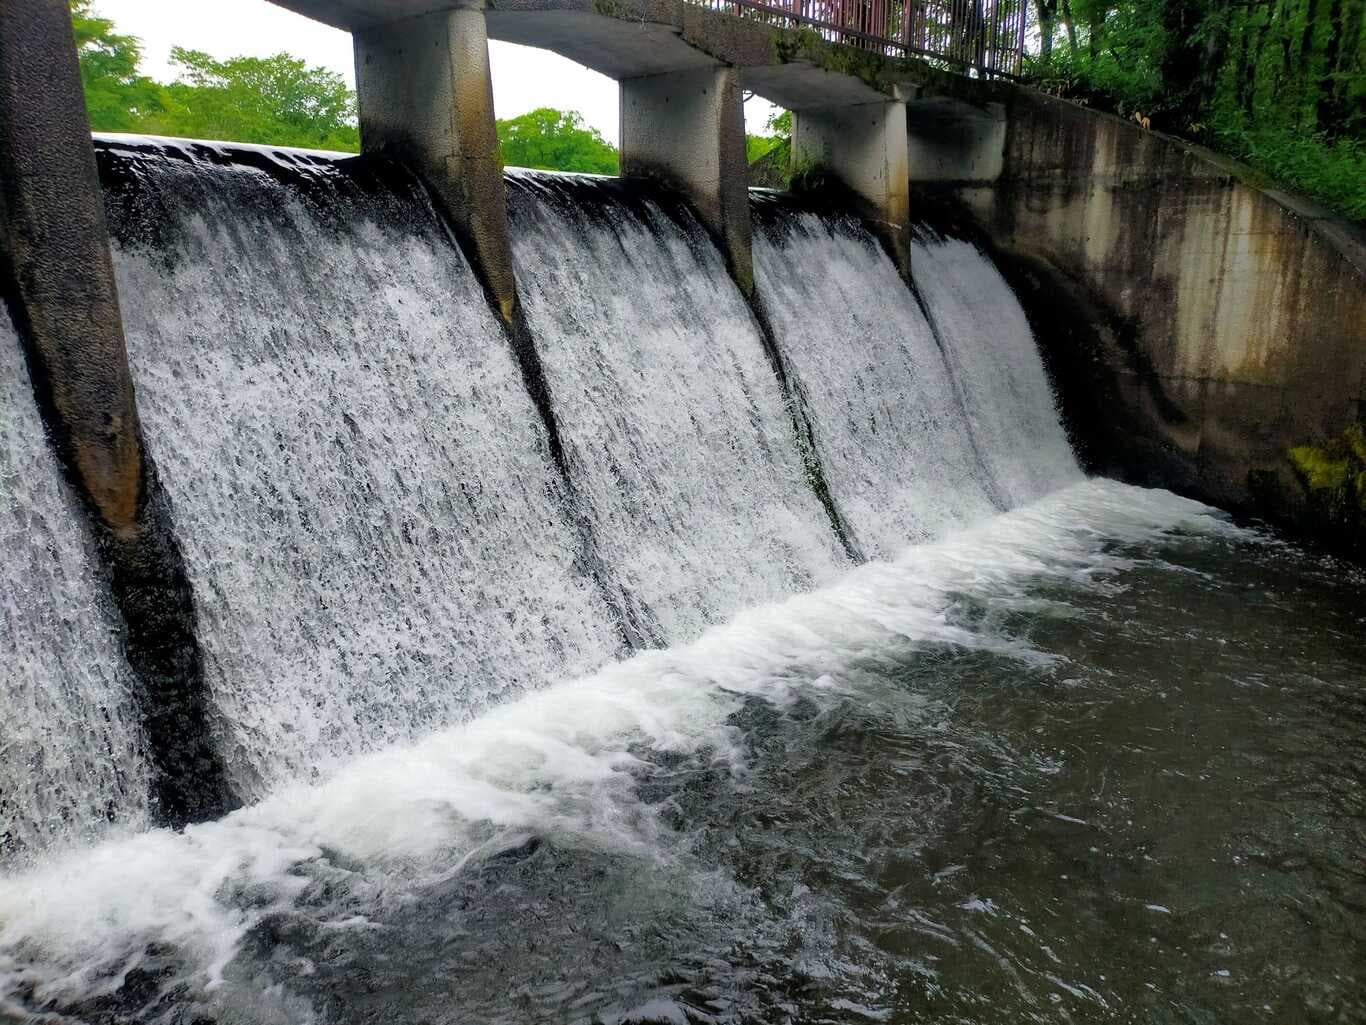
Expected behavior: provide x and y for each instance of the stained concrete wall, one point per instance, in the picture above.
(1230, 320)
(952, 141)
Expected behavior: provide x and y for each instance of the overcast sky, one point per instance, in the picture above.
(523, 78)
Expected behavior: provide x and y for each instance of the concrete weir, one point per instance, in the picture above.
(864, 147)
(426, 98)
(687, 128)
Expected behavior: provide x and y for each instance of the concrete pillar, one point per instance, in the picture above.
(687, 129)
(55, 265)
(864, 148)
(426, 98)
(57, 278)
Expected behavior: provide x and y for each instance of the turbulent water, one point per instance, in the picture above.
(892, 435)
(69, 748)
(677, 428)
(370, 516)
(1060, 751)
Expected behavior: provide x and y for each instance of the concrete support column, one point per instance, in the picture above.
(426, 98)
(55, 265)
(863, 147)
(57, 278)
(687, 129)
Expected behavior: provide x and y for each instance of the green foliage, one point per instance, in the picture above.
(1279, 84)
(1321, 469)
(118, 98)
(759, 146)
(1356, 443)
(808, 176)
(276, 100)
(555, 140)
(1331, 170)
(776, 145)
(280, 101)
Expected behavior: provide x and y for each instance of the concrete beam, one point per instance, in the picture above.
(426, 98)
(610, 46)
(357, 15)
(864, 149)
(687, 129)
(632, 38)
(956, 142)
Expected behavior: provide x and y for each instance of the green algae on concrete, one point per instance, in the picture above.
(1334, 475)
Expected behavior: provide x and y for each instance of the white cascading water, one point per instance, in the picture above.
(896, 448)
(70, 762)
(384, 556)
(368, 511)
(679, 439)
(991, 352)
(561, 763)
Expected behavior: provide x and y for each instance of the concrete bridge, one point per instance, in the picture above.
(425, 97)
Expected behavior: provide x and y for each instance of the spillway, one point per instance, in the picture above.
(665, 655)
(679, 437)
(888, 420)
(380, 540)
(371, 518)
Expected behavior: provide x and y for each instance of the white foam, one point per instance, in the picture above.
(559, 762)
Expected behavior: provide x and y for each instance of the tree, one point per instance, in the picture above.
(778, 140)
(1280, 84)
(118, 98)
(555, 140)
(276, 100)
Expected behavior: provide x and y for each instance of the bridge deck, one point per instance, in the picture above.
(632, 38)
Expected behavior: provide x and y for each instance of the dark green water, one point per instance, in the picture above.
(1122, 781)
(1161, 818)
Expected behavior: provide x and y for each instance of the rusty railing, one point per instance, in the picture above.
(982, 35)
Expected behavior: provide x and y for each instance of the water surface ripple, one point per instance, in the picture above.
(1098, 759)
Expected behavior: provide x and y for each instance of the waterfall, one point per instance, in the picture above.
(70, 763)
(990, 348)
(675, 423)
(378, 541)
(896, 448)
(417, 589)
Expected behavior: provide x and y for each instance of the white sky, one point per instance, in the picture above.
(523, 78)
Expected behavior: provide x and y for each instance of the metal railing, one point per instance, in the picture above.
(982, 35)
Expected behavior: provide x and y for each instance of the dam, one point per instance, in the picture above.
(436, 592)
